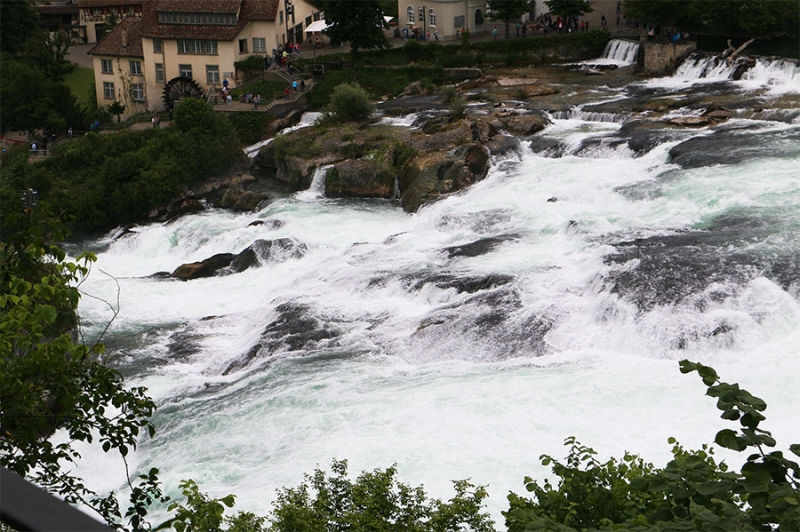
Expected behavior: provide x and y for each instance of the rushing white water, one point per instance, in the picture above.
(780, 75)
(375, 349)
(620, 51)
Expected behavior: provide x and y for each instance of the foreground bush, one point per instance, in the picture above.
(351, 103)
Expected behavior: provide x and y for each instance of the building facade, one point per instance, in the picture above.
(179, 48)
(96, 15)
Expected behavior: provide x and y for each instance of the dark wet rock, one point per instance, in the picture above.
(238, 199)
(262, 251)
(503, 144)
(427, 177)
(413, 103)
(733, 146)
(295, 329)
(493, 323)
(271, 224)
(552, 200)
(184, 343)
(592, 145)
(359, 178)
(701, 267)
(183, 207)
(479, 247)
(481, 222)
(205, 268)
(548, 147)
(644, 135)
(160, 275)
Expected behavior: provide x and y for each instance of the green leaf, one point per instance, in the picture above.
(686, 366)
(795, 448)
(45, 313)
(757, 482)
(728, 439)
(731, 414)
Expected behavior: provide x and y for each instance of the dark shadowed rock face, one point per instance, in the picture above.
(294, 329)
(731, 145)
(358, 178)
(700, 267)
(479, 247)
(262, 251)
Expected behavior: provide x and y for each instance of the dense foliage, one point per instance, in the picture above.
(376, 501)
(32, 66)
(569, 8)
(693, 491)
(48, 380)
(508, 11)
(359, 22)
(350, 102)
(100, 181)
(745, 18)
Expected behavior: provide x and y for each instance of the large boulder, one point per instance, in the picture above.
(205, 268)
(428, 176)
(359, 178)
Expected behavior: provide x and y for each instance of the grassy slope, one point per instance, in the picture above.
(79, 82)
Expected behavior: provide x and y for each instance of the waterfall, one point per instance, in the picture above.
(621, 51)
(778, 74)
(700, 66)
(317, 188)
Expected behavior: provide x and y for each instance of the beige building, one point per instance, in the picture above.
(94, 14)
(445, 18)
(180, 48)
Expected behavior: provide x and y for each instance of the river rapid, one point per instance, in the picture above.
(553, 299)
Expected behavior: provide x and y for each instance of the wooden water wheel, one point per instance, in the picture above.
(179, 88)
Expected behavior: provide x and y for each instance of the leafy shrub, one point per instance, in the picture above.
(251, 66)
(350, 102)
(376, 501)
(413, 50)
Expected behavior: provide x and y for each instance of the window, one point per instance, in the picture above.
(160, 72)
(410, 16)
(137, 91)
(136, 68)
(431, 17)
(219, 19)
(185, 70)
(108, 90)
(107, 66)
(197, 47)
(281, 17)
(478, 17)
(259, 45)
(158, 46)
(212, 74)
(242, 46)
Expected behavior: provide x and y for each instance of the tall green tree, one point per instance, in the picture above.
(359, 22)
(569, 8)
(19, 22)
(733, 18)
(508, 11)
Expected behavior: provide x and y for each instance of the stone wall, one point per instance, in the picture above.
(663, 58)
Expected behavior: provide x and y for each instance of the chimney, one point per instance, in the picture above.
(124, 36)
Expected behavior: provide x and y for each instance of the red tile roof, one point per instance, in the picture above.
(248, 10)
(109, 3)
(111, 43)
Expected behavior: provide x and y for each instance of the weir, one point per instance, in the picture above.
(621, 51)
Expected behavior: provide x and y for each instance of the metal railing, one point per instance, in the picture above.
(24, 506)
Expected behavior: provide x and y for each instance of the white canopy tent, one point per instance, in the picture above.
(321, 25)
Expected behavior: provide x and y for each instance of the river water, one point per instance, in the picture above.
(553, 299)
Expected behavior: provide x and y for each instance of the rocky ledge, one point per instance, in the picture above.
(446, 151)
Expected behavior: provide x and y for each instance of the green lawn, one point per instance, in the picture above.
(79, 82)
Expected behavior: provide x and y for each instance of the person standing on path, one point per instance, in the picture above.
(494, 33)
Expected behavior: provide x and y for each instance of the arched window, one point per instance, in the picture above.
(478, 17)
(410, 16)
(431, 17)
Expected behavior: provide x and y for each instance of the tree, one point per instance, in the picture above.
(20, 21)
(350, 102)
(359, 22)
(736, 18)
(116, 108)
(507, 10)
(375, 501)
(48, 380)
(569, 8)
(693, 491)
